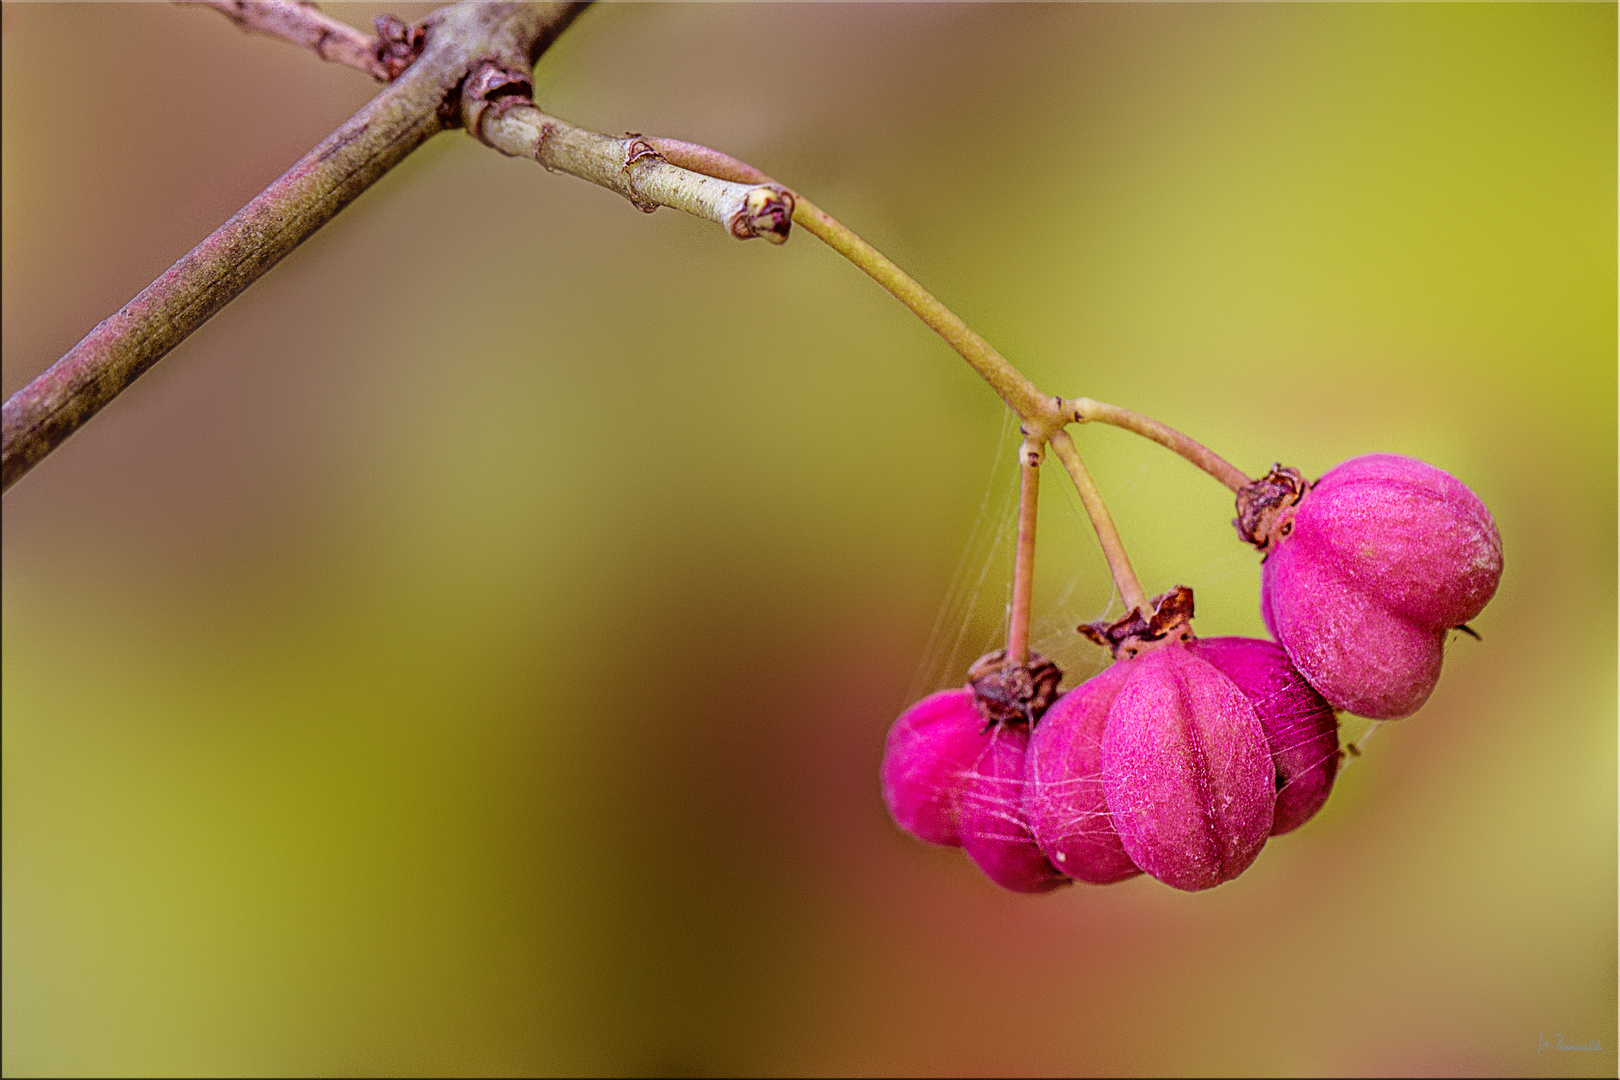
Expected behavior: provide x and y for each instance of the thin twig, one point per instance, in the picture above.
(1119, 563)
(1085, 410)
(1039, 411)
(708, 161)
(631, 166)
(1044, 416)
(37, 418)
(301, 24)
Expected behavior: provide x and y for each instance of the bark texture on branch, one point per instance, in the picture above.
(37, 418)
(496, 109)
(302, 24)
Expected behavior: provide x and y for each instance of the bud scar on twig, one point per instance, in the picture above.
(508, 121)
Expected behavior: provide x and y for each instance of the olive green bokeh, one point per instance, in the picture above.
(471, 652)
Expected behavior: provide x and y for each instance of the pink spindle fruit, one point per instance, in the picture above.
(1365, 573)
(953, 776)
(1186, 771)
(928, 757)
(1159, 763)
(1063, 795)
(1301, 728)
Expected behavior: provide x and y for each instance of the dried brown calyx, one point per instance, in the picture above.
(1171, 621)
(1007, 692)
(1261, 504)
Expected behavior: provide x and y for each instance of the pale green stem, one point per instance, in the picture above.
(1119, 564)
(1085, 410)
(1036, 409)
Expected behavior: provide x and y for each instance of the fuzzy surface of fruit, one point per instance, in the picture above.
(1365, 573)
(928, 757)
(1301, 728)
(1159, 763)
(951, 777)
(1063, 796)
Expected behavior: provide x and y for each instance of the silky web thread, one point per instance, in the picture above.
(946, 658)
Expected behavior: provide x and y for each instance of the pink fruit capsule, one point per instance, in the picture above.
(1300, 726)
(1365, 573)
(951, 778)
(927, 759)
(995, 832)
(1063, 792)
(1186, 772)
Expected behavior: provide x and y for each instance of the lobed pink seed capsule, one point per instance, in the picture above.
(1186, 771)
(1300, 726)
(1063, 791)
(929, 754)
(995, 833)
(1365, 573)
(950, 777)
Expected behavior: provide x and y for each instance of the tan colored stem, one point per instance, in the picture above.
(1119, 563)
(1029, 489)
(1085, 410)
(631, 166)
(302, 25)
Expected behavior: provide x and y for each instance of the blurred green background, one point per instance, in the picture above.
(471, 651)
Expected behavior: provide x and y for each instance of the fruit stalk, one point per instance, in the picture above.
(1029, 486)
(1085, 410)
(1119, 563)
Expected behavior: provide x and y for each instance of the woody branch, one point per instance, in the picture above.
(384, 57)
(40, 416)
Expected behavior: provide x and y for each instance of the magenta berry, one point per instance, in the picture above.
(995, 833)
(953, 776)
(1063, 797)
(930, 754)
(1301, 728)
(1186, 770)
(1365, 573)
(1187, 782)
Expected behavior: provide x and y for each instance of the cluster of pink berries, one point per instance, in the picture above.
(1184, 755)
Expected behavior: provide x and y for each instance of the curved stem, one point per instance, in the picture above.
(1032, 405)
(1042, 422)
(1085, 410)
(1029, 487)
(1119, 563)
(708, 161)
(1025, 398)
